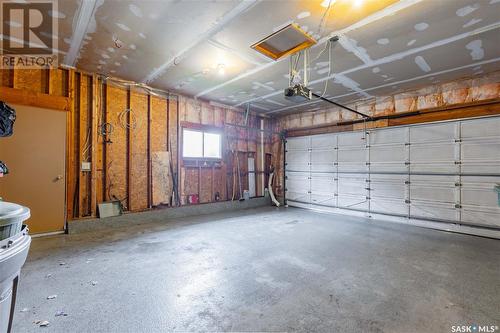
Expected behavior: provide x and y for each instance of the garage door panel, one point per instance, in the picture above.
(433, 133)
(433, 189)
(391, 136)
(326, 141)
(481, 156)
(299, 143)
(484, 217)
(297, 161)
(428, 210)
(351, 139)
(480, 201)
(352, 184)
(352, 159)
(479, 191)
(323, 160)
(388, 206)
(353, 202)
(324, 200)
(298, 196)
(480, 128)
(298, 179)
(438, 158)
(388, 187)
(323, 183)
(388, 158)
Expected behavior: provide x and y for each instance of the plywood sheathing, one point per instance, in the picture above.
(29, 79)
(116, 152)
(139, 150)
(162, 187)
(162, 183)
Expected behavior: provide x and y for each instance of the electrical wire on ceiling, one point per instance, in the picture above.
(152, 91)
(319, 31)
(322, 23)
(330, 67)
(324, 18)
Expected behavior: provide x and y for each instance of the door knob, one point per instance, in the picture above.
(58, 177)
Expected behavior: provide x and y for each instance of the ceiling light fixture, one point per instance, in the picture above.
(221, 69)
(358, 3)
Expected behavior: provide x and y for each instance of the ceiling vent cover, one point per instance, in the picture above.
(283, 42)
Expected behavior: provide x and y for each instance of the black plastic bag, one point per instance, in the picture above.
(7, 119)
(3, 168)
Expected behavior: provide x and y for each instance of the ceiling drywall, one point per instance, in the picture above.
(384, 47)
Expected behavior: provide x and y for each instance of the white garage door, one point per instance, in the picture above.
(442, 172)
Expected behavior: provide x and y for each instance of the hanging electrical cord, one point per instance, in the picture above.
(152, 91)
(330, 67)
(86, 146)
(293, 70)
(124, 122)
(324, 18)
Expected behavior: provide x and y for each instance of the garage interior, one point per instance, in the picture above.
(255, 166)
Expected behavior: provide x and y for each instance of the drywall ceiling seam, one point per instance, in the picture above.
(218, 26)
(484, 62)
(349, 46)
(350, 84)
(233, 51)
(259, 107)
(393, 57)
(388, 11)
(85, 14)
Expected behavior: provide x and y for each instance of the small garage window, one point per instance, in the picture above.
(201, 144)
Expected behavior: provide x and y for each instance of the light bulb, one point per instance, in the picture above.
(358, 3)
(221, 69)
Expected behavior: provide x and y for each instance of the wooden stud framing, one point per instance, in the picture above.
(93, 149)
(150, 172)
(70, 160)
(129, 153)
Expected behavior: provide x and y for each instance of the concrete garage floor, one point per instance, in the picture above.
(263, 269)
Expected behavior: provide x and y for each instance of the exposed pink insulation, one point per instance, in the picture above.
(450, 93)
(456, 92)
(405, 102)
(384, 105)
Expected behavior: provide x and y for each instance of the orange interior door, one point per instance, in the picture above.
(35, 156)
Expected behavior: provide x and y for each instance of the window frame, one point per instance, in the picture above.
(202, 129)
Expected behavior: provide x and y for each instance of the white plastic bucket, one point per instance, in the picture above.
(12, 217)
(13, 253)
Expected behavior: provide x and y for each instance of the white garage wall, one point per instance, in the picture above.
(442, 173)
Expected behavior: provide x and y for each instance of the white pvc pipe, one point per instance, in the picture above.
(270, 187)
